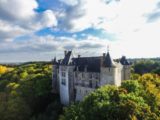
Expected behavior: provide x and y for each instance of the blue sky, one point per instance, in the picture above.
(36, 30)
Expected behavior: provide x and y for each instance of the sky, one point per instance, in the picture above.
(39, 30)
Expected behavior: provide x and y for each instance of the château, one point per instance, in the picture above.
(75, 77)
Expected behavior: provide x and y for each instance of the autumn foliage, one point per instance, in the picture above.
(137, 99)
(3, 69)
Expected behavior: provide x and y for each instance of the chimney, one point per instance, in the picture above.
(102, 59)
(104, 54)
(65, 53)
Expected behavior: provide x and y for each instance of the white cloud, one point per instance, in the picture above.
(18, 17)
(126, 19)
(70, 2)
(114, 16)
(49, 44)
(17, 9)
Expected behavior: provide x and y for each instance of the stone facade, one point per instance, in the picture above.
(74, 78)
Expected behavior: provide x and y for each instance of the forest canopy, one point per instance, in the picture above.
(134, 100)
(25, 93)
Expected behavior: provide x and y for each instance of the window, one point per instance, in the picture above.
(96, 84)
(90, 83)
(97, 76)
(83, 84)
(63, 74)
(82, 75)
(90, 75)
(76, 75)
(63, 82)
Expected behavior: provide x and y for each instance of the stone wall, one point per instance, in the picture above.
(75, 85)
(107, 76)
(64, 85)
(117, 76)
(55, 79)
(87, 79)
(71, 83)
(85, 82)
(126, 72)
(81, 92)
(111, 75)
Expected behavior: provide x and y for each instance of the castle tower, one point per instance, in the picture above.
(110, 71)
(74, 78)
(55, 80)
(126, 68)
(66, 79)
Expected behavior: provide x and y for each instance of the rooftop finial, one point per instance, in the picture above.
(107, 48)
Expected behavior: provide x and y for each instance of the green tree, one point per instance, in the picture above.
(131, 101)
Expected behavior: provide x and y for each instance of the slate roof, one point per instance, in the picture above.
(66, 59)
(92, 64)
(108, 62)
(54, 61)
(124, 61)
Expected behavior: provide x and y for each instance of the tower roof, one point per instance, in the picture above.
(108, 62)
(54, 62)
(124, 61)
(67, 58)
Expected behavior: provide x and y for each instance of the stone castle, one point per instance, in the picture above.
(74, 78)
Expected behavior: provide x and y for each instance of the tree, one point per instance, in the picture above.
(25, 93)
(3, 69)
(131, 101)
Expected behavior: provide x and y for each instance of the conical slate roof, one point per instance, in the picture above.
(54, 61)
(67, 58)
(124, 61)
(108, 62)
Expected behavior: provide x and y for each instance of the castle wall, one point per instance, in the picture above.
(75, 85)
(126, 72)
(64, 85)
(111, 75)
(88, 79)
(55, 80)
(81, 92)
(107, 76)
(117, 76)
(85, 82)
(71, 83)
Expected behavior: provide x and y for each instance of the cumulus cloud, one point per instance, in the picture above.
(17, 9)
(49, 43)
(19, 17)
(114, 16)
(84, 14)
(135, 24)
(155, 14)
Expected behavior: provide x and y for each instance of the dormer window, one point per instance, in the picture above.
(90, 75)
(63, 74)
(63, 82)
